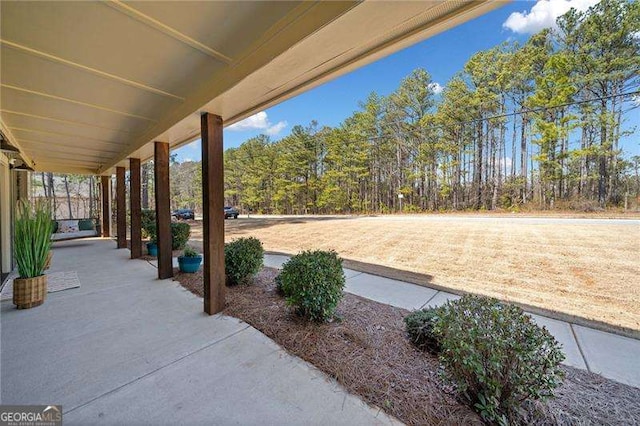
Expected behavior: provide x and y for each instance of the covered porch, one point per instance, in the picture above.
(99, 88)
(126, 348)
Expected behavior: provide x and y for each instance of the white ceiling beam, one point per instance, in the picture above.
(74, 156)
(62, 168)
(64, 147)
(96, 71)
(92, 164)
(69, 122)
(73, 101)
(45, 132)
(166, 29)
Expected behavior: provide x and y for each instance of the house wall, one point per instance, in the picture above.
(5, 215)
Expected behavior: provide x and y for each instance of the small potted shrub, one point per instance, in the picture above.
(152, 245)
(180, 233)
(148, 224)
(190, 260)
(152, 248)
(32, 242)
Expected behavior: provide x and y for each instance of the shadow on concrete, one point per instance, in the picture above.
(249, 224)
(72, 244)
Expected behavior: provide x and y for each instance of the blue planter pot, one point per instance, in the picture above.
(152, 248)
(189, 264)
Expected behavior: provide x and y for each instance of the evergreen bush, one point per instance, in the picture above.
(312, 282)
(243, 258)
(148, 224)
(420, 328)
(497, 356)
(180, 233)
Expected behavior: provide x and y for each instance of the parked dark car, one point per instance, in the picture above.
(183, 214)
(230, 212)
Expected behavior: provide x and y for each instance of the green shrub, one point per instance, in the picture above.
(190, 252)
(148, 224)
(151, 233)
(180, 233)
(279, 288)
(312, 282)
(420, 328)
(497, 356)
(243, 259)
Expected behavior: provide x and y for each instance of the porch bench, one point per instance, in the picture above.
(69, 229)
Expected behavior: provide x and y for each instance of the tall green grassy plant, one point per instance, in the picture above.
(32, 240)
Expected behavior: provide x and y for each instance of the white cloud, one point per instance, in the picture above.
(543, 15)
(187, 160)
(276, 128)
(259, 121)
(436, 87)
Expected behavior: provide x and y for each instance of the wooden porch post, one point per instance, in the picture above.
(105, 195)
(163, 209)
(136, 210)
(213, 211)
(121, 207)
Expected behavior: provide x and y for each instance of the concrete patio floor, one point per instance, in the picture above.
(610, 355)
(126, 348)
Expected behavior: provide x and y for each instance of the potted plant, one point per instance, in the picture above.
(148, 222)
(47, 263)
(152, 245)
(152, 248)
(32, 243)
(190, 260)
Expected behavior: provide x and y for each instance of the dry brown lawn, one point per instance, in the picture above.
(590, 269)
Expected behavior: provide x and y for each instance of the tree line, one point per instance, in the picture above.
(70, 196)
(537, 124)
(74, 196)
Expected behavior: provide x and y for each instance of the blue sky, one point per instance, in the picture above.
(442, 56)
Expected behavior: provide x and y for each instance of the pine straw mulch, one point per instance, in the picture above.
(366, 351)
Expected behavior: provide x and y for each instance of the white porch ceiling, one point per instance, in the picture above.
(85, 85)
